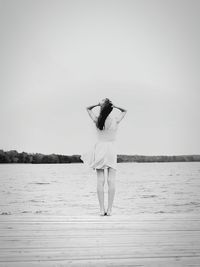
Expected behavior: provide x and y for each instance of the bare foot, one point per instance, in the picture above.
(102, 213)
(108, 212)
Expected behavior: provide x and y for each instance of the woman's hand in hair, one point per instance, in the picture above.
(113, 106)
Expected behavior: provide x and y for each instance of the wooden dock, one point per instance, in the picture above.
(140, 240)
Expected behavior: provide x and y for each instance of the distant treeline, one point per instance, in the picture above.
(13, 156)
(138, 158)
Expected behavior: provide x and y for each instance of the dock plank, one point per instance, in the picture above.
(161, 240)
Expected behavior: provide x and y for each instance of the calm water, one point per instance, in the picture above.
(70, 189)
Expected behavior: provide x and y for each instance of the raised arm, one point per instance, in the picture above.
(91, 114)
(123, 113)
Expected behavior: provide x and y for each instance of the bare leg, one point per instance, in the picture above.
(100, 189)
(111, 188)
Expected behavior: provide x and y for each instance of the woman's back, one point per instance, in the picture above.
(110, 130)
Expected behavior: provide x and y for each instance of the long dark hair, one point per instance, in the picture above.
(104, 112)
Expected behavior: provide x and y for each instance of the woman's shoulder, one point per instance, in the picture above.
(114, 123)
(114, 118)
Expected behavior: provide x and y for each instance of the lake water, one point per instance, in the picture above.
(70, 189)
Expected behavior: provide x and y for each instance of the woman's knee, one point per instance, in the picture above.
(100, 182)
(111, 177)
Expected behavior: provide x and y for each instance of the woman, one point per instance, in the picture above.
(103, 154)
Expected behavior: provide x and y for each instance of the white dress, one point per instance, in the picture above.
(103, 153)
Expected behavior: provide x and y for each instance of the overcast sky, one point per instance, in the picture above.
(57, 57)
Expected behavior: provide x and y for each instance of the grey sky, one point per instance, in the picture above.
(57, 57)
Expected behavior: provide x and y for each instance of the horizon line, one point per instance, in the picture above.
(119, 154)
